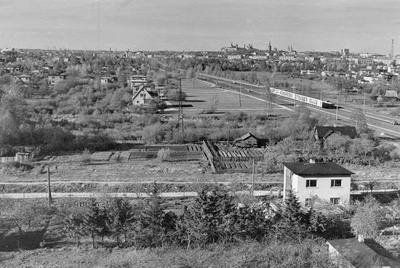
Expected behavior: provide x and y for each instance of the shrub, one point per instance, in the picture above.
(17, 166)
(175, 96)
(85, 157)
(164, 154)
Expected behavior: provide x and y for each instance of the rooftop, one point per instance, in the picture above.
(364, 254)
(325, 131)
(317, 169)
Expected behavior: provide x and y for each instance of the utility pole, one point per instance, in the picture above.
(294, 96)
(240, 93)
(48, 186)
(252, 179)
(337, 106)
(180, 112)
(364, 104)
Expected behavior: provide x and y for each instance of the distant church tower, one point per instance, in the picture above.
(269, 47)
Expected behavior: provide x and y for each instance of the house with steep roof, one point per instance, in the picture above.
(360, 253)
(248, 140)
(143, 96)
(326, 181)
(390, 95)
(321, 133)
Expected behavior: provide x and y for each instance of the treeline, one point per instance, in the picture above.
(336, 148)
(214, 216)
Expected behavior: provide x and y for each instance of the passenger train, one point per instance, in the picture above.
(279, 92)
(302, 98)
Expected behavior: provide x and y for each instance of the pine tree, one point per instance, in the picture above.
(73, 226)
(153, 225)
(94, 221)
(293, 222)
(208, 219)
(120, 217)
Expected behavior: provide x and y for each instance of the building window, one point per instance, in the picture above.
(141, 95)
(311, 183)
(335, 201)
(307, 202)
(336, 183)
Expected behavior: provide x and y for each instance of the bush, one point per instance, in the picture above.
(175, 96)
(17, 166)
(85, 157)
(164, 154)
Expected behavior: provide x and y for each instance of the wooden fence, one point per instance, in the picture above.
(231, 161)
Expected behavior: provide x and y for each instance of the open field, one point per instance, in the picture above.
(70, 168)
(201, 97)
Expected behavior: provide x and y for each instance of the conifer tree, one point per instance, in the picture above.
(152, 226)
(73, 226)
(120, 217)
(94, 221)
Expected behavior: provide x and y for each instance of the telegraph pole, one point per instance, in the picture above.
(364, 104)
(252, 179)
(48, 186)
(240, 93)
(180, 112)
(294, 96)
(337, 106)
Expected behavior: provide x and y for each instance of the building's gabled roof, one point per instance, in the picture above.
(317, 169)
(391, 93)
(364, 254)
(324, 132)
(246, 136)
(143, 88)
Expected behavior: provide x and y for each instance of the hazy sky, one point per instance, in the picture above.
(320, 25)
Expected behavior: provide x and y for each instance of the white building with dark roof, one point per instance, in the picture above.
(325, 181)
(143, 96)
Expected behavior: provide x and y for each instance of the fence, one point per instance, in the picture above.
(231, 161)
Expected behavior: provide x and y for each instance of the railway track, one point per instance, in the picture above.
(377, 122)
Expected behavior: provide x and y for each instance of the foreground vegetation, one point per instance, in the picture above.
(250, 232)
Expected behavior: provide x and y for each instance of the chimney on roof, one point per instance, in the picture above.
(360, 238)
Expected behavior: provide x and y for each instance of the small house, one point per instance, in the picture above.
(360, 253)
(143, 96)
(325, 181)
(248, 140)
(54, 79)
(390, 95)
(321, 133)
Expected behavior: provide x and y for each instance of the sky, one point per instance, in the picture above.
(201, 25)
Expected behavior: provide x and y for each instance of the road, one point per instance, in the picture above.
(164, 195)
(128, 195)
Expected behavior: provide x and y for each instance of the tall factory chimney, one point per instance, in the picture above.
(392, 50)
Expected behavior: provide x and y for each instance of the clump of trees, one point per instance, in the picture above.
(214, 216)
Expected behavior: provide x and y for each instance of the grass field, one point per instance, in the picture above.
(202, 97)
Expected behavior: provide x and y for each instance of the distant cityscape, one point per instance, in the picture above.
(365, 68)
